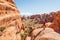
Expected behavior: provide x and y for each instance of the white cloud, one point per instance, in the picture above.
(26, 13)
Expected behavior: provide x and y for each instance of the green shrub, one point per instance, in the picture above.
(2, 28)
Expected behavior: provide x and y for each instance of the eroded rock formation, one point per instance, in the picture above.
(56, 22)
(10, 19)
(9, 14)
(10, 34)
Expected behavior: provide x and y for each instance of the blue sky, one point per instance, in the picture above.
(30, 7)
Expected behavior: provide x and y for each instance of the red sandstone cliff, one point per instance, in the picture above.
(56, 22)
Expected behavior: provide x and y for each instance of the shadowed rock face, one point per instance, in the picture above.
(9, 14)
(56, 22)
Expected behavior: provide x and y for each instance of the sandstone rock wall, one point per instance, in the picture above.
(56, 22)
(9, 14)
(10, 34)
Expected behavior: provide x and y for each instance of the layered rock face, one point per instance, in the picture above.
(9, 14)
(10, 34)
(10, 19)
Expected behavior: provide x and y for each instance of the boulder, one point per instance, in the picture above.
(46, 34)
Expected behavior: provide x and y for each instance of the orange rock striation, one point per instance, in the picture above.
(9, 14)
